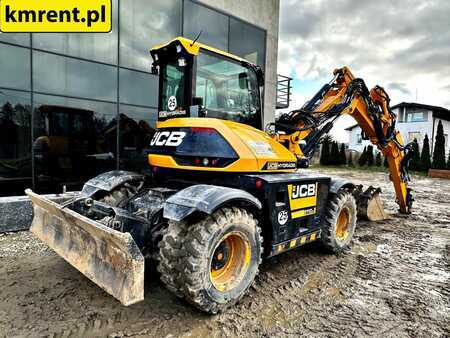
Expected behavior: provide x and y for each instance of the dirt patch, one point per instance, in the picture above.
(394, 282)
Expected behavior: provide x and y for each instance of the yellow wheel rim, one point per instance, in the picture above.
(230, 261)
(342, 225)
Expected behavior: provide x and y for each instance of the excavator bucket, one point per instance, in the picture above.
(370, 205)
(109, 258)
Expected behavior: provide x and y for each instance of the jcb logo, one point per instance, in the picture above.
(304, 190)
(167, 138)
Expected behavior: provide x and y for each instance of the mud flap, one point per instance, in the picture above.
(109, 258)
(370, 205)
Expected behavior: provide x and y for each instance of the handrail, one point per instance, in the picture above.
(283, 91)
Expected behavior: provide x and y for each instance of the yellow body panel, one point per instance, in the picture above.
(254, 147)
(304, 213)
(302, 206)
(305, 202)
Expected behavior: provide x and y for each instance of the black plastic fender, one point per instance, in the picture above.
(204, 198)
(108, 181)
(338, 183)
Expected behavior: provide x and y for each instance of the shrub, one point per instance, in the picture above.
(370, 158)
(350, 160)
(415, 159)
(325, 153)
(363, 158)
(439, 148)
(334, 154)
(425, 160)
(378, 160)
(342, 156)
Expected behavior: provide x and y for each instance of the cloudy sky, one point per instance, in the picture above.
(402, 45)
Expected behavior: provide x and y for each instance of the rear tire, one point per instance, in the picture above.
(213, 262)
(170, 252)
(338, 226)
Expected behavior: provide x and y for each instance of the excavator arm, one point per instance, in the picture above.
(302, 130)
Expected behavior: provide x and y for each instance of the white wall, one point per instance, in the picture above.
(405, 128)
(411, 127)
(354, 134)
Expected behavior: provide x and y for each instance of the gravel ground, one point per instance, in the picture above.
(394, 282)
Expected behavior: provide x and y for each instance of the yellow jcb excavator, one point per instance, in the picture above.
(219, 184)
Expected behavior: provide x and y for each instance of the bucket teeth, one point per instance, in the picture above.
(370, 205)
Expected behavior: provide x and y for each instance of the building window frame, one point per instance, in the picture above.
(358, 138)
(31, 46)
(412, 135)
(229, 15)
(409, 116)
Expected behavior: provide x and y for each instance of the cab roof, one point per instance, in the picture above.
(194, 48)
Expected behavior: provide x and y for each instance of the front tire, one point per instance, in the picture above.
(338, 226)
(213, 262)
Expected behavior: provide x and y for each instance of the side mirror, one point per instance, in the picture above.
(243, 80)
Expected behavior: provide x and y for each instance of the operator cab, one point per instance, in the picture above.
(199, 81)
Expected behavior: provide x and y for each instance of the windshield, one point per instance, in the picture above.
(228, 89)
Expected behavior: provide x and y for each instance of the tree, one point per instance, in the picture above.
(350, 160)
(439, 148)
(325, 153)
(363, 158)
(8, 112)
(342, 157)
(370, 158)
(415, 159)
(378, 161)
(334, 154)
(425, 160)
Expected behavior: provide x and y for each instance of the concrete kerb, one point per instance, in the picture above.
(16, 212)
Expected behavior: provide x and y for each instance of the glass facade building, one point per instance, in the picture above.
(75, 105)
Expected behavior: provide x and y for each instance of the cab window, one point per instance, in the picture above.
(173, 87)
(228, 90)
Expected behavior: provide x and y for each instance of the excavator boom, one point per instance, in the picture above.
(347, 95)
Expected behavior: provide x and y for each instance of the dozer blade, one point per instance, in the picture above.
(109, 258)
(370, 205)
